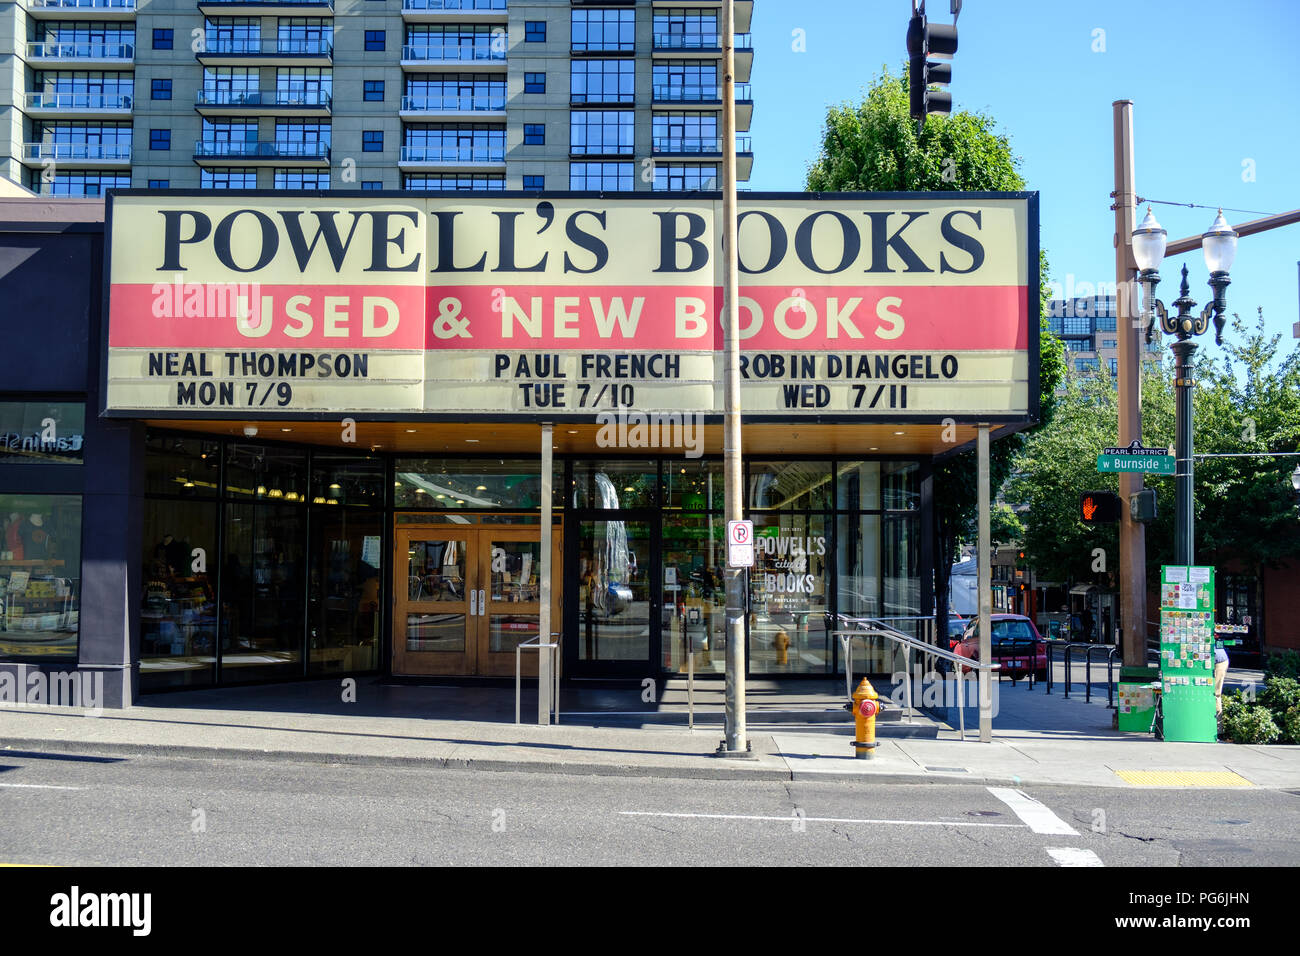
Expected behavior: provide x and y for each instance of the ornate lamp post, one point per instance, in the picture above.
(1220, 247)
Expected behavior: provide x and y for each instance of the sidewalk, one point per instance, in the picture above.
(1038, 738)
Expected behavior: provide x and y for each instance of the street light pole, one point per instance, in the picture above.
(1220, 247)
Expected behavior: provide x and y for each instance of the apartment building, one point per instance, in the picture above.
(1087, 327)
(368, 94)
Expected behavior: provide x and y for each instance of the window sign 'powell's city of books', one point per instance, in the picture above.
(852, 307)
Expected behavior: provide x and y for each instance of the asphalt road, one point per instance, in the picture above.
(79, 810)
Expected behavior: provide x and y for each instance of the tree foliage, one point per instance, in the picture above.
(874, 146)
(1244, 508)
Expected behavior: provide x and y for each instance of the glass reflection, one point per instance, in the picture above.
(613, 590)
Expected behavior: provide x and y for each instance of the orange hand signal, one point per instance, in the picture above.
(1089, 509)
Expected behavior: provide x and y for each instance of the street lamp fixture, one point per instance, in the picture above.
(1219, 245)
(1295, 479)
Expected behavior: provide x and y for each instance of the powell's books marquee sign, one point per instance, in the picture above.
(903, 307)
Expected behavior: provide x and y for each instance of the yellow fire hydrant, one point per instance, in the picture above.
(865, 707)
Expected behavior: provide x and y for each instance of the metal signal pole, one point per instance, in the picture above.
(736, 740)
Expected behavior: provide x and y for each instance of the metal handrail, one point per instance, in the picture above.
(534, 644)
(866, 629)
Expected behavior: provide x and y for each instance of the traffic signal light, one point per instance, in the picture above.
(1099, 507)
(926, 40)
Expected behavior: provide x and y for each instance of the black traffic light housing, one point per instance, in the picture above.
(926, 40)
(1099, 507)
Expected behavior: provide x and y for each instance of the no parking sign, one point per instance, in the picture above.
(740, 544)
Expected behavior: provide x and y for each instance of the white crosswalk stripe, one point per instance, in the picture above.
(1074, 856)
(1035, 815)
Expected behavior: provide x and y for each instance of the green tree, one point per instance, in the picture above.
(1245, 507)
(874, 146)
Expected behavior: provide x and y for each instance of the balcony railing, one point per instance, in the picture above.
(688, 41)
(268, 3)
(453, 4)
(263, 98)
(268, 47)
(452, 51)
(744, 144)
(744, 41)
(688, 144)
(743, 92)
(79, 101)
(80, 51)
(679, 93)
(453, 102)
(453, 154)
(82, 4)
(261, 150)
(85, 152)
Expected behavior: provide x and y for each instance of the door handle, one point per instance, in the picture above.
(473, 603)
(482, 601)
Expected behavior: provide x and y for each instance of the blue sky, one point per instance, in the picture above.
(1198, 115)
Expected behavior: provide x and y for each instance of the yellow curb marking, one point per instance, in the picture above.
(1183, 778)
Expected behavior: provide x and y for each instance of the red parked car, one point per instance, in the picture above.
(1012, 634)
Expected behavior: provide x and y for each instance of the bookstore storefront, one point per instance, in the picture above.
(313, 435)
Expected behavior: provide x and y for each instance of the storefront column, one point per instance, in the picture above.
(544, 676)
(985, 587)
(112, 516)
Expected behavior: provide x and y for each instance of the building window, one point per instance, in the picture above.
(161, 90)
(677, 177)
(40, 576)
(534, 182)
(608, 30)
(162, 39)
(462, 182)
(1113, 366)
(606, 177)
(372, 141)
(685, 81)
(159, 184)
(77, 183)
(375, 39)
(1108, 343)
(160, 139)
(686, 133)
(41, 433)
(1086, 364)
(371, 184)
(602, 81)
(534, 82)
(535, 31)
(374, 90)
(601, 132)
(534, 134)
(227, 178)
(302, 179)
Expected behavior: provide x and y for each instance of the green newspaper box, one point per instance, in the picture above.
(1187, 653)
(1136, 700)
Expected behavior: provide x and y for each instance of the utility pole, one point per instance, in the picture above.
(736, 742)
(1132, 534)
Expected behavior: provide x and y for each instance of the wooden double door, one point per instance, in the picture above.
(467, 595)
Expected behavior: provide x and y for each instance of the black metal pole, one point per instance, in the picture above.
(1184, 519)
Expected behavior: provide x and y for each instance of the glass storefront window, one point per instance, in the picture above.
(178, 610)
(694, 485)
(43, 432)
(345, 579)
(266, 472)
(790, 595)
(263, 592)
(790, 485)
(40, 576)
(693, 559)
(472, 484)
(857, 486)
(615, 485)
(181, 466)
(347, 480)
(900, 484)
(613, 591)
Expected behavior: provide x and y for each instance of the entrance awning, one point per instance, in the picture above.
(1083, 589)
